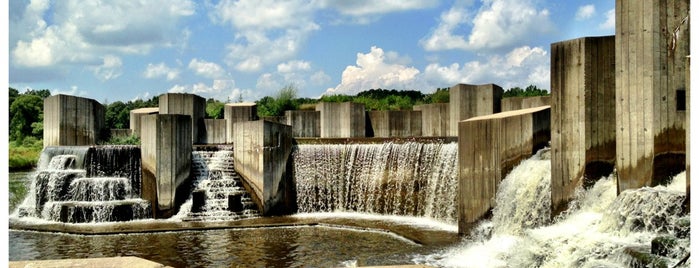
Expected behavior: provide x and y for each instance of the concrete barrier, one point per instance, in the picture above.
(386, 124)
(435, 119)
(135, 118)
(490, 147)
(187, 104)
(262, 151)
(238, 112)
(166, 155)
(342, 120)
(466, 101)
(120, 133)
(517, 103)
(583, 138)
(215, 131)
(304, 123)
(652, 43)
(72, 121)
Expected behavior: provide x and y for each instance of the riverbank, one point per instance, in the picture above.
(24, 155)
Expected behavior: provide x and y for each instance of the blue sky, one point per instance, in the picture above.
(124, 50)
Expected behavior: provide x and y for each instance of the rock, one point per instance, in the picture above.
(640, 258)
(663, 245)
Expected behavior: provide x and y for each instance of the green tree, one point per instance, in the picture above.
(530, 91)
(214, 109)
(441, 95)
(25, 110)
(117, 115)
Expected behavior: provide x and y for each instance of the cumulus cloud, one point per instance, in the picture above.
(220, 89)
(161, 70)
(207, 69)
(110, 68)
(293, 66)
(610, 21)
(585, 12)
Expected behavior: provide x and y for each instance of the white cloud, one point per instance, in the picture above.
(320, 78)
(110, 68)
(207, 69)
(268, 83)
(293, 66)
(161, 70)
(585, 12)
(220, 89)
(361, 8)
(610, 22)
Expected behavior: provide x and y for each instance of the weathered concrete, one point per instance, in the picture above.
(262, 152)
(435, 119)
(166, 154)
(275, 119)
(652, 41)
(187, 104)
(304, 123)
(583, 138)
(394, 123)
(70, 120)
(120, 132)
(238, 112)
(516, 103)
(490, 147)
(135, 118)
(215, 131)
(466, 101)
(687, 135)
(342, 120)
(113, 262)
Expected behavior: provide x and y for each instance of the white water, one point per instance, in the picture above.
(410, 179)
(595, 232)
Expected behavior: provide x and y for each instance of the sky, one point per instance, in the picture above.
(247, 49)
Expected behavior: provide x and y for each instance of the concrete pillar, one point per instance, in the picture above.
(304, 123)
(489, 148)
(342, 120)
(72, 121)
(516, 103)
(687, 135)
(466, 101)
(395, 123)
(187, 104)
(215, 131)
(435, 119)
(135, 118)
(166, 155)
(583, 138)
(652, 41)
(262, 151)
(238, 112)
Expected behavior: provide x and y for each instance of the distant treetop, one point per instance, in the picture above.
(530, 91)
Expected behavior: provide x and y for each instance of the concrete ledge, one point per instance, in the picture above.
(115, 262)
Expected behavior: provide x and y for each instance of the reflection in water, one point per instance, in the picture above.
(316, 246)
(18, 188)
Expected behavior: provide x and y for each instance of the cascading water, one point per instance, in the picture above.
(217, 193)
(600, 229)
(409, 179)
(86, 184)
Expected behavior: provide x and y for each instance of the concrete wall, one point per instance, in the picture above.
(135, 118)
(70, 120)
(342, 120)
(687, 136)
(120, 132)
(215, 131)
(262, 151)
(435, 119)
(238, 112)
(466, 101)
(516, 103)
(166, 155)
(394, 123)
(652, 42)
(489, 148)
(583, 138)
(188, 104)
(304, 123)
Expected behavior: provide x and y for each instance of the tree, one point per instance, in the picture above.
(530, 91)
(214, 108)
(25, 110)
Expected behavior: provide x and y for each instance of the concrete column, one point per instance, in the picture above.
(435, 119)
(489, 148)
(395, 123)
(72, 121)
(262, 151)
(215, 131)
(135, 118)
(652, 41)
(516, 103)
(342, 120)
(238, 112)
(687, 135)
(583, 138)
(187, 104)
(466, 101)
(304, 123)
(166, 154)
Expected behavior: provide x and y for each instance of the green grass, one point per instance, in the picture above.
(24, 154)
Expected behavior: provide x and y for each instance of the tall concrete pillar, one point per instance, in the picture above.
(583, 138)
(215, 131)
(516, 103)
(304, 123)
(72, 121)
(652, 41)
(238, 112)
(135, 118)
(395, 123)
(435, 119)
(342, 120)
(187, 104)
(466, 101)
(166, 155)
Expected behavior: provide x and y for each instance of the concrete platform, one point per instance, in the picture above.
(115, 262)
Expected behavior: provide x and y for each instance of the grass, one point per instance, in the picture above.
(24, 154)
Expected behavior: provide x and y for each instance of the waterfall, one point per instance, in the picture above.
(409, 179)
(86, 184)
(600, 229)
